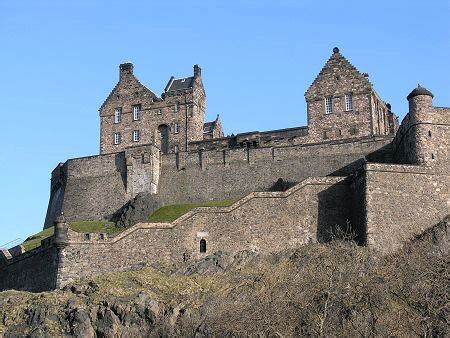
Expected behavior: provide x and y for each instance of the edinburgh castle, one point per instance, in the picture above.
(353, 168)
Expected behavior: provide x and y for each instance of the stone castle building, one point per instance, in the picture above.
(352, 167)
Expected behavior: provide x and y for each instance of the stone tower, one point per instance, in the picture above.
(341, 103)
(133, 115)
(427, 129)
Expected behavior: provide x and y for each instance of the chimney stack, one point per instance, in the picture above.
(197, 71)
(126, 69)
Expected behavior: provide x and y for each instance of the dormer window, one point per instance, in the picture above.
(118, 115)
(328, 104)
(348, 102)
(136, 112)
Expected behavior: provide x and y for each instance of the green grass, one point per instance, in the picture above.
(34, 241)
(94, 226)
(170, 213)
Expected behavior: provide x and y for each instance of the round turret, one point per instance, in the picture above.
(420, 101)
(419, 91)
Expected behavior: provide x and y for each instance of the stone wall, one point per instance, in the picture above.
(35, 270)
(402, 201)
(92, 188)
(229, 173)
(264, 221)
(96, 187)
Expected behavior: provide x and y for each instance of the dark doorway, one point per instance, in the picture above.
(202, 245)
(164, 138)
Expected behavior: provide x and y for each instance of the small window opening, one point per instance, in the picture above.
(432, 156)
(348, 102)
(118, 115)
(87, 237)
(136, 112)
(328, 105)
(202, 245)
(429, 133)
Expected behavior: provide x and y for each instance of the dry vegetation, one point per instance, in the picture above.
(334, 289)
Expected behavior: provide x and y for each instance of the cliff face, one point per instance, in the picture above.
(319, 289)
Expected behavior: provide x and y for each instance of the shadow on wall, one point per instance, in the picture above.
(281, 185)
(382, 155)
(120, 163)
(349, 168)
(335, 208)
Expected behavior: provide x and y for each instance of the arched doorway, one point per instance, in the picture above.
(163, 130)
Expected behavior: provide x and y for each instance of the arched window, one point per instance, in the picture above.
(202, 245)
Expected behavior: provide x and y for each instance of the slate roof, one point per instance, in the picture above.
(208, 127)
(178, 84)
(419, 91)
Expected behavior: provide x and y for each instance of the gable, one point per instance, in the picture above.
(338, 76)
(128, 86)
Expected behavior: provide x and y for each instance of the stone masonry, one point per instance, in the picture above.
(356, 171)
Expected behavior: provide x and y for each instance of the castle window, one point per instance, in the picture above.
(136, 136)
(176, 128)
(136, 112)
(117, 138)
(159, 112)
(202, 245)
(118, 115)
(429, 133)
(328, 104)
(175, 108)
(348, 102)
(176, 149)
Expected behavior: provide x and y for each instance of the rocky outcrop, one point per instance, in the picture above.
(136, 210)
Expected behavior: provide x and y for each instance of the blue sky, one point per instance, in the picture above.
(59, 60)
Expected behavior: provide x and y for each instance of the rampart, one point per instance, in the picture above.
(34, 270)
(262, 221)
(231, 173)
(96, 187)
(402, 201)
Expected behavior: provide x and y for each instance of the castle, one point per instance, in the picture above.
(352, 167)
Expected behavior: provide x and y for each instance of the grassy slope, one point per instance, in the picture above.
(82, 226)
(170, 213)
(167, 213)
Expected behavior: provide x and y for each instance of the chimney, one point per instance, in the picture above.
(126, 69)
(197, 71)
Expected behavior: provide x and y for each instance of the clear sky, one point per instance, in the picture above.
(59, 61)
